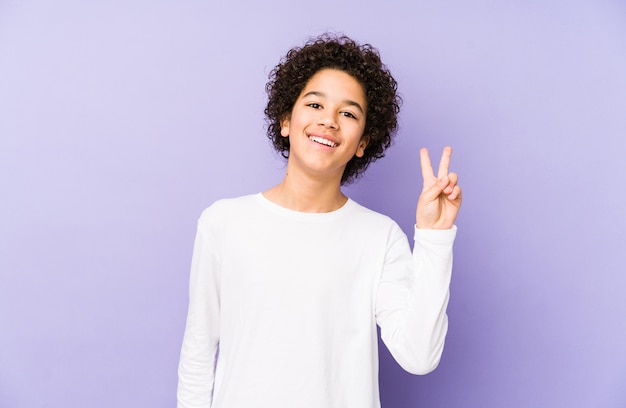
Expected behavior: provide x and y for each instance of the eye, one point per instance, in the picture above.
(348, 115)
(314, 105)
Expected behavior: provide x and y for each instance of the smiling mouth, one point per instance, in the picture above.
(323, 141)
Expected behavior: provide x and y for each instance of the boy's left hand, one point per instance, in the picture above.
(440, 200)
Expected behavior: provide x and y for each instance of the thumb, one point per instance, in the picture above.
(433, 191)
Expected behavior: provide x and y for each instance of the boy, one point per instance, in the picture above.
(287, 286)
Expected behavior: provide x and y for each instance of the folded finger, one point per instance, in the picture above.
(454, 179)
(455, 194)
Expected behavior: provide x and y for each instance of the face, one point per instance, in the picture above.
(326, 124)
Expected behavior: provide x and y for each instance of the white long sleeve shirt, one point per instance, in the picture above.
(283, 305)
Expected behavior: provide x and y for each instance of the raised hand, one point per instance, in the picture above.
(440, 200)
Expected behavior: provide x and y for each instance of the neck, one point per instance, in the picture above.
(307, 194)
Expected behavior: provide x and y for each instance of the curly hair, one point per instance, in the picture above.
(290, 76)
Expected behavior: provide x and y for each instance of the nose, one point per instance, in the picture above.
(328, 120)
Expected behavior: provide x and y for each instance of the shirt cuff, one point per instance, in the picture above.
(435, 236)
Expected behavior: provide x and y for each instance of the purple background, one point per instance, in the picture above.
(121, 120)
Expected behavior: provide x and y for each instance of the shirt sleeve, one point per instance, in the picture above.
(413, 296)
(196, 371)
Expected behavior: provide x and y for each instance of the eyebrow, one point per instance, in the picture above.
(346, 101)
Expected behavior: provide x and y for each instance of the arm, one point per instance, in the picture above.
(413, 296)
(196, 372)
(413, 293)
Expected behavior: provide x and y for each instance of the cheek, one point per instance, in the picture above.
(358, 130)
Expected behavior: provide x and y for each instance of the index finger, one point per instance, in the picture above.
(427, 167)
(444, 164)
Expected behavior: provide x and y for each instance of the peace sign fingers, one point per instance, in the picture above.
(444, 164)
(440, 199)
(427, 167)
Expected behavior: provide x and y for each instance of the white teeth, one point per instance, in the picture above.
(322, 141)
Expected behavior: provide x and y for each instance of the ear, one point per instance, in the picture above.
(284, 126)
(360, 151)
